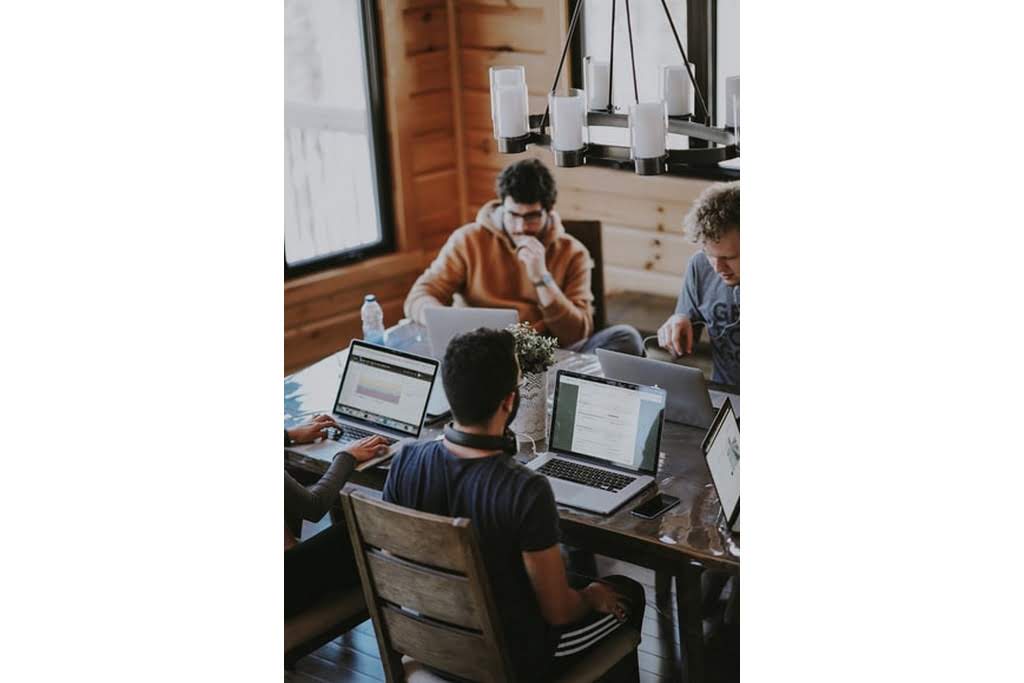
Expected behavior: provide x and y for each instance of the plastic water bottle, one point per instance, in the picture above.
(373, 320)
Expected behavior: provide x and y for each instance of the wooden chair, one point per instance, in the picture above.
(428, 593)
(589, 234)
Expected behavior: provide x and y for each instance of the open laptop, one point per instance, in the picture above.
(721, 448)
(384, 392)
(688, 398)
(604, 442)
(443, 324)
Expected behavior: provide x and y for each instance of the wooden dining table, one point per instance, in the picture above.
(682, 543)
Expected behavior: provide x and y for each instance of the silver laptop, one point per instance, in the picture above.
(444, 324)
(604, 442)
(688, 398)
(384, 392)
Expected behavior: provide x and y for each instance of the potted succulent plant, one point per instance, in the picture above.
(536, 353)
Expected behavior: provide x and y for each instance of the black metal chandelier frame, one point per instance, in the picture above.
(674, 161)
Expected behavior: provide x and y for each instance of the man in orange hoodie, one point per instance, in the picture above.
(517, 255)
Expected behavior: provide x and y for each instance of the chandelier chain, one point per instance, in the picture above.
(632, 57)
(686, 64)
(561, 62)
(611, 57)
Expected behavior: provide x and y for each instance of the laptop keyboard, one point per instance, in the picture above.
(587, 476)
(354, 434)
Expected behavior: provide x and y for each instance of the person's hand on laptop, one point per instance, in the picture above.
(312, 430)
(676, 335)
(370, 447)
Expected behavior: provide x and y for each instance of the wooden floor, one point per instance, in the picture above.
(354, 658)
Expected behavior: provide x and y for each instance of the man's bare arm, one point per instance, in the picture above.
(560, 604)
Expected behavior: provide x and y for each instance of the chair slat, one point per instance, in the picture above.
(463, 654)
(428, 591)
(418, 536)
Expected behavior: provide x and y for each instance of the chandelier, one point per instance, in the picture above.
(570, 115)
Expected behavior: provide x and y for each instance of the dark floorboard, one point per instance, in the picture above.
(362, 658)
(296, 677)
(355, 658)
(326, 670)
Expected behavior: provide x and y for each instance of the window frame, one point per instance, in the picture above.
(380, 156)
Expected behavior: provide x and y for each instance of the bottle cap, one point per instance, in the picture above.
(370, 297)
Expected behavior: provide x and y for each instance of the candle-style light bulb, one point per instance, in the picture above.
(676, 89)
(648, 125)
(510, 108)
(568, 120)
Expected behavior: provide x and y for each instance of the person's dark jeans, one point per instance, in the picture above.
(318, 566)
(621, 338)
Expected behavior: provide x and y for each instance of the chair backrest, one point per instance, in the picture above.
(427, 590)
(589, 233)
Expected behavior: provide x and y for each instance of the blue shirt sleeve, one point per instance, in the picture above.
(688, 303)
(538, 527)
(391, 484)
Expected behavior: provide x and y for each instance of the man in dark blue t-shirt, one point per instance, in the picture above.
(547, 624)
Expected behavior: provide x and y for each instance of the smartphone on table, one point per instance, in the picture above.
(655, 507)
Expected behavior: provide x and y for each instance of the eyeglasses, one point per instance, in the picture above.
(532, 217)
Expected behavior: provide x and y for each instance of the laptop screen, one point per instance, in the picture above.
(722, 453)
(615, 422)
(445, 323)
(385, 388)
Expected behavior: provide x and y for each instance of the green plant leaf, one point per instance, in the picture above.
(536, 352)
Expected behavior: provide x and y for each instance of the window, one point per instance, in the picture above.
(727, 61)
(335, 159)
(653, 46)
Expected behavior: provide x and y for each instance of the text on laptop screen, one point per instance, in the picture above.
(384, 388)
(618, 424)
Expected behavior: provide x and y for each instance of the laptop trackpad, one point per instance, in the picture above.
(575, 495)
(326, 449)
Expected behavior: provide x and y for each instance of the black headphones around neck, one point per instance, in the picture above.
(485, 442)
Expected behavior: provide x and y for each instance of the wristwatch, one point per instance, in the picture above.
(546, 281)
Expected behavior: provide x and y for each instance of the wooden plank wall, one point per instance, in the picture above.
(444, 163)
(641, 224)
(496, 33)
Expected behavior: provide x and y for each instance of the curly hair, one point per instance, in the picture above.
(527, 181)
(715, 212)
